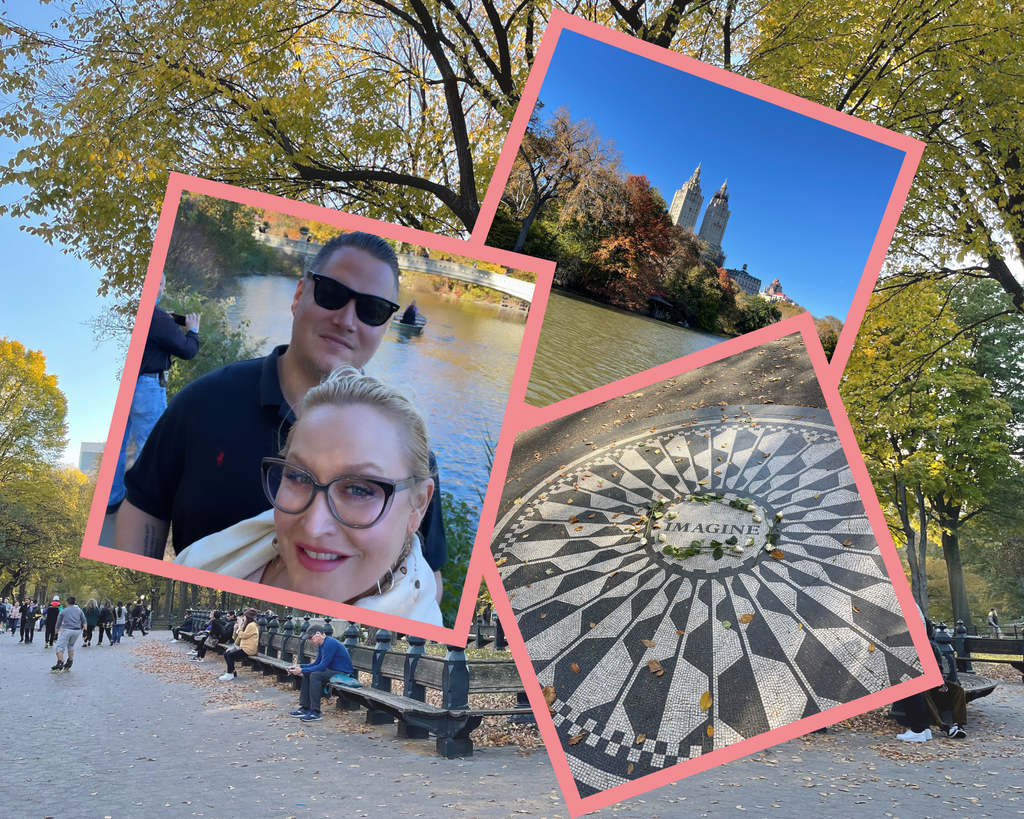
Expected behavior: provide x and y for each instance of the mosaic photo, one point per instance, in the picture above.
(698, 577)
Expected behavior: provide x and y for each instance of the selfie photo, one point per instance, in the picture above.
(316, 408)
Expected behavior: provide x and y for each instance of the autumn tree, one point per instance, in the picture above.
(42, 522)
(639, 242)
(398, 109)
(559, 158)
(944, 71)
(937, 445)
(829, 329)
(33, 429)
(757, 313)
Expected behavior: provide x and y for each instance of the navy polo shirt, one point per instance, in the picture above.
(200, 467)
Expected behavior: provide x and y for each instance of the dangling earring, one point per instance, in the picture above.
(398, 565)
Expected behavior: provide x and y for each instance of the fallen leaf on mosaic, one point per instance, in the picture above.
(641, 738)
(667, 522)
(574, 668)
(576, 739)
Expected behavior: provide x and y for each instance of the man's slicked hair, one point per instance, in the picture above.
(366, 242)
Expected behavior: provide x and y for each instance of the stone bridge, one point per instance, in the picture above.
(516, 288)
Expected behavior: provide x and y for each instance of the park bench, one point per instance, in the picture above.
(974, 685)
(457, 678)
(1010, 649)
(453, 722)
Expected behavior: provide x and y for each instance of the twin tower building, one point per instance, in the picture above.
(686, 205)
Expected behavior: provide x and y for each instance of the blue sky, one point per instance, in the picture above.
(46, 297)
(806, 198)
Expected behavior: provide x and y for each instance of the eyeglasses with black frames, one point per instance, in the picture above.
(356, 501)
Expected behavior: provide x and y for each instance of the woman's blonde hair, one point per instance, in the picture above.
(346, 386)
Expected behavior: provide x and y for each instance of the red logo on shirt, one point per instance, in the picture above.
(220, 458)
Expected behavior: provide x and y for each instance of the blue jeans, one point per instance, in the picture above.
(148, 404)
(118, 631)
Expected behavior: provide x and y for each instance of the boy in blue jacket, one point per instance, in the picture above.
(331, 658)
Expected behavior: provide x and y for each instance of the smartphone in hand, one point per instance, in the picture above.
(179, 320)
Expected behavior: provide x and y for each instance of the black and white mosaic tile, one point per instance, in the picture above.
(769, 639)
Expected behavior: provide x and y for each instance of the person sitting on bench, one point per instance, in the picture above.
(211, 637)
(331, 658)
(247, 643)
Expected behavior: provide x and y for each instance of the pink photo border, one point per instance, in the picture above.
(514, 418)
(579, 805)
(912, 148)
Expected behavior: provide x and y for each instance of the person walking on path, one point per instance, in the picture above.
(120, 617)
(138, 618)
(14, 617)
(105, 622)
(331, 658)
(150, 399)
(52, 612)
(28, 621)
(92, 617)
(247, 643)
(70, 623)
(993, 621)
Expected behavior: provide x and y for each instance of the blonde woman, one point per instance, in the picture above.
(247, 644)
(349, 491)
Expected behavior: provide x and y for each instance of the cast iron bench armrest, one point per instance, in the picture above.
(976, 687)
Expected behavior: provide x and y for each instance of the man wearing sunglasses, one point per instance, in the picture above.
(200, 470)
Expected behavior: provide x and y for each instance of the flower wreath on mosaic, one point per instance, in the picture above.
(661, 508)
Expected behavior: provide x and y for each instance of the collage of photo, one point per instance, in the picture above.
(621, 438)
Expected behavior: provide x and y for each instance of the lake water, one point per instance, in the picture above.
(460, 368)
(584, 345)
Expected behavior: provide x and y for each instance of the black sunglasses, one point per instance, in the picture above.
(333, 295)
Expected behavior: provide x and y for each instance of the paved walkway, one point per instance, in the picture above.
(111, 739)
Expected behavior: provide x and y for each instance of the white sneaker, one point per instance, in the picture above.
(192, 653)
(199, 659)
(226, 677)
(911, 736)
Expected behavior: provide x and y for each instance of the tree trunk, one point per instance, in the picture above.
(524, 231)
(168, 598)
(948, 513)
(921, 578)
(955, 572)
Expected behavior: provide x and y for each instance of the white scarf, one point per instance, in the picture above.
(246, 547)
